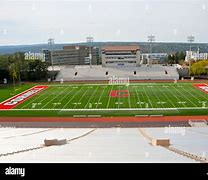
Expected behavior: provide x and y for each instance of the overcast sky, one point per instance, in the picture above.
(34, 21)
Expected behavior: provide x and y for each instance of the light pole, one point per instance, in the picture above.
(90, 41)
(190, 39)
(151, 39)
(50, 47)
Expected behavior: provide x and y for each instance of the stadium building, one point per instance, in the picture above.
(156, 58)
(121, 55)
(72, 55)
(195, 55)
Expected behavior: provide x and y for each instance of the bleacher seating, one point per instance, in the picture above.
(154, 72)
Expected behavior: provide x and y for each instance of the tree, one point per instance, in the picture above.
(13, 73)
(16, 68)
(198, 68)
(37, 69)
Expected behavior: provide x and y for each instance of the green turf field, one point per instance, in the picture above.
(114, 100)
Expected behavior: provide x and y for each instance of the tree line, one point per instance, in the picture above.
(15, 67)
(199, 68)
(175, 58)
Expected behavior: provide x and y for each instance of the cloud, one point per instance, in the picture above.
(34, 21)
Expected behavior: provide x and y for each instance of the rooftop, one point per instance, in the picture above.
(121, 48)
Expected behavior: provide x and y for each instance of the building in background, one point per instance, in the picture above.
(156, 58)
(72, 55)
(120, 55)
(195, 55)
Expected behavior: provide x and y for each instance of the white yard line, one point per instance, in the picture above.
(79, 101)
(155, 95)
(64, 95)
(138, 97)
(185, 96)
(17, 94)
(198, 91)
(118, 96)
(92, 95)
(57, 95)
(129, 100)
(175, 96)
(69, 93)
(37, 97)
(191, 94)
(147, 96)
(109, 96)
(100, 97)
(167, 97)
(72, 98)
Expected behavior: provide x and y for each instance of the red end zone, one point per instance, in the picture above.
(202, 87)
(20, 98)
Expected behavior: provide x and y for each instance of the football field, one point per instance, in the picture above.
(140, 98)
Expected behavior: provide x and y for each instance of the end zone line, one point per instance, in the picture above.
(19, 94)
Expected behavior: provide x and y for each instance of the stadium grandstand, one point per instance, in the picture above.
(143, 72)
(187, 145)
(119, 61)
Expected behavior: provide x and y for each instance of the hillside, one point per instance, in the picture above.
(157, 47)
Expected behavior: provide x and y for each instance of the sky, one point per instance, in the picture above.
(69, 21)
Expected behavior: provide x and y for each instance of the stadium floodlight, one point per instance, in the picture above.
(50, 47)
(151, 39)
(190, 39)
(89, 40)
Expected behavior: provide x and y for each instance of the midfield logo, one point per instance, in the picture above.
(119, 93)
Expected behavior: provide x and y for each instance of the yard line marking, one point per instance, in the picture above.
(38, 97)
(184, 96)
(196, 90)
(92, 95)
(166, 96)
(138, 97)
(79, 100)
(59, 101)
(129, 100)
(109, 97)
(29, 102)
(57, 95)
(119, 88)
(147, 96)
(191, 94)
(155, 95)
(118, 102)
(100, 97)
(142, 96)
(204, 96)
(14, 95)
(66, 95)
(181, 102)
(72, 97)
(175, 96)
